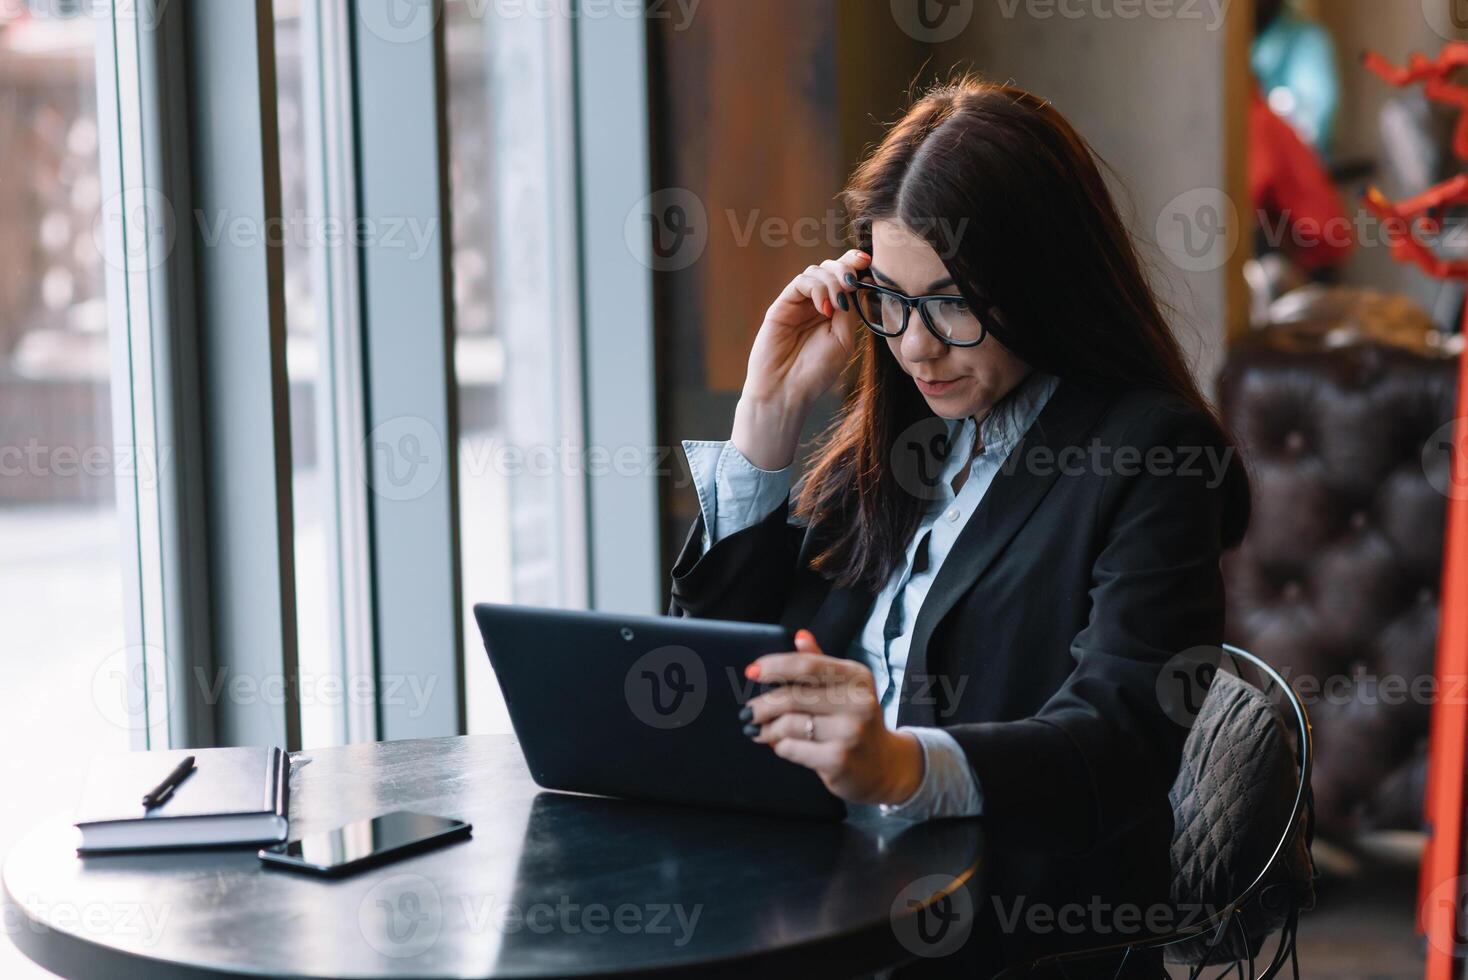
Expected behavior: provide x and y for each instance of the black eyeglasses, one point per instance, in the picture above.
(948, 317)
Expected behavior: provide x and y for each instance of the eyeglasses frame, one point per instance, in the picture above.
(920, 302)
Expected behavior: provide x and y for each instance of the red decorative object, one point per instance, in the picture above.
(1436, 77)
(1441, 888)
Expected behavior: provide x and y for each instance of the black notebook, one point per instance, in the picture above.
(233, 796)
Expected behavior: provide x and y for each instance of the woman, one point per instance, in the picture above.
(1012, 527)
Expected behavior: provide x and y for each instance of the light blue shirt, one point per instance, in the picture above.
(734, 494)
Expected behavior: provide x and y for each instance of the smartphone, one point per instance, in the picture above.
(365, 843)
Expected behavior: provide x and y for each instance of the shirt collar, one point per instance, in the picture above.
(1007, 422)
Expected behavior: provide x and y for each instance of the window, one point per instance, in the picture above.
(512, 190)
(108, 583)
(72, 683)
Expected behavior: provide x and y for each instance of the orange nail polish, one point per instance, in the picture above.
(752, 672)
(806, 635)
(827, 308)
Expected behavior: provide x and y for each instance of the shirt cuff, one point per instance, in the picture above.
(949, 787)
(733, 493)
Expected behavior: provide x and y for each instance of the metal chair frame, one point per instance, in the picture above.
(1219, 923)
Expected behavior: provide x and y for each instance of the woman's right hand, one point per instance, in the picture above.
(801, 348)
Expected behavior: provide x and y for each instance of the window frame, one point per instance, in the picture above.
(250, 663)
(187, 105)
(402, 175)
(149, 293)
(620, 378)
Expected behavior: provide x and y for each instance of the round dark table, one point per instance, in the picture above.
(550, 885)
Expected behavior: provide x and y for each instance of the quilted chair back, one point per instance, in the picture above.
(1232, 801)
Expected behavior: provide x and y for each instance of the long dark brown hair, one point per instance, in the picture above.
(1011, 198)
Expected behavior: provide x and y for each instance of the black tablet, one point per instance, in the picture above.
(644, 707)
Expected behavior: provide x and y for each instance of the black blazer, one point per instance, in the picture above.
(1040, 647)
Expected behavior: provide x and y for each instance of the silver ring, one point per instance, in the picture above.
(810, 728)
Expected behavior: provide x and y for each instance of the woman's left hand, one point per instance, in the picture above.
(826, 717)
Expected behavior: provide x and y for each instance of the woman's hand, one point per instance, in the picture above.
(826, 717)
(807, 338)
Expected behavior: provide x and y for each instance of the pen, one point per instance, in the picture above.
(160, 793)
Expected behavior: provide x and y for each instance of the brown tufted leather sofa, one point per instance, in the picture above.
(1336, 582)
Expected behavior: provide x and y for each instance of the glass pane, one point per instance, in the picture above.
(510, 171)
(319, 724)
(314, 245)
(61, 592)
